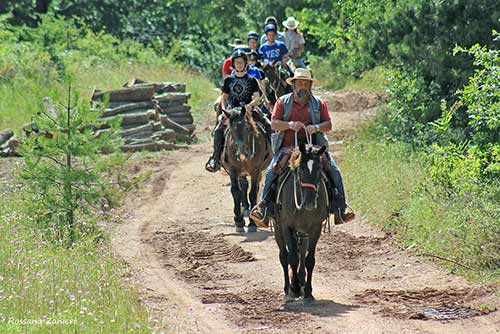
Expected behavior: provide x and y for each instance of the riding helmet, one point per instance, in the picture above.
(238, 53)
(269, 27)
(252, 35)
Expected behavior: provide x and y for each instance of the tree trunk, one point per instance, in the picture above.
(42, 6)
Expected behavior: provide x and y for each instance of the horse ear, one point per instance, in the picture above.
(302, 148)
(322, 150)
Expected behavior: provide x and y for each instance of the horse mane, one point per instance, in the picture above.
(295, 159)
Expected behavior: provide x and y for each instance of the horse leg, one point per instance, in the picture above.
(310, 262)
(293, 260)
(252, 227)
(303, 245)
(244, 198)
(280, 240)
(236, 192)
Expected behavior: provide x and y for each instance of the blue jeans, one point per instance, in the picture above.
(298, 62)
(333, 175)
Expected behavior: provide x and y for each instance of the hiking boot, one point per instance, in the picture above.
(213, 165)
(259, 215)
(342, 217)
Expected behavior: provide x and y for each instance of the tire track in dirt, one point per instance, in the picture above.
(197, 276)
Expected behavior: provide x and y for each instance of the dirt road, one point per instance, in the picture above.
(197, 275)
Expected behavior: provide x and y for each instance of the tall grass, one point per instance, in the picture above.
(389, 183)
(49, 289)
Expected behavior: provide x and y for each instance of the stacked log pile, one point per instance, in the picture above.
(154, 115)
(8, 144)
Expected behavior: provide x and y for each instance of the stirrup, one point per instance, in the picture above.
(262, 220)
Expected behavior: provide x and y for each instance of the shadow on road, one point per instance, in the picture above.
(320, 308)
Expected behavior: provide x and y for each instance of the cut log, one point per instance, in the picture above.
(190, 128)
(168, 135)
(170, 124)
(182, 119)
(5, 135)
(137, 129)
(157, 126)
(171, 105)
(145, 105)
(180, 108)
(179, 114)
(185, 138)
(133, 119)
(170, 97)
(138, 135)
(126, 94)
(158, 146)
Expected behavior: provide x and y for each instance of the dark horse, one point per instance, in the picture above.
(247, 152)
(302, 206)
(277, 73)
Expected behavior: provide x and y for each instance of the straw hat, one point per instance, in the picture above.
(302, 74)
(236, 42)
(291, 23)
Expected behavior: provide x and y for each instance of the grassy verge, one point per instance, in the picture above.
(388, 182)
(373, 80)
(50, 289)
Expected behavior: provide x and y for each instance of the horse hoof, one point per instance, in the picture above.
(240, 229)
(246, 213)
(251, 228)
(308, 301)
(289, 298)
(294, 294)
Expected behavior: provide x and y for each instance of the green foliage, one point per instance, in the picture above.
(471, 164)
(389, 183)
(66, 176)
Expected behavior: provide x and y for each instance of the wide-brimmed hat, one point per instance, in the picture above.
(302, 74)
(236, 42)
(291, 23)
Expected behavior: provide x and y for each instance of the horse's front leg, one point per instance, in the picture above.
(280, 240)
(236, 192)
(252, 227)
(244, 197)
(293, 260)
(310, 262)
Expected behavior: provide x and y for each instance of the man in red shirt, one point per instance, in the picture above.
(301, 111)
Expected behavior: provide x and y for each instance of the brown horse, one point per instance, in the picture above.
(277, 73)
(247, 152)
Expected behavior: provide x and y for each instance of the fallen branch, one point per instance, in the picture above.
(449, 260)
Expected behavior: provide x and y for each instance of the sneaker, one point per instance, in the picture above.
(259, 215)
(213, 165)
(343, 217)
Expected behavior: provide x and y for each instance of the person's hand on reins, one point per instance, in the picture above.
(296, 126)
(312, 129)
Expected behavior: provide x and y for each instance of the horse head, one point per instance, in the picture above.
(243, 131)
(277, 73)
(308, 169)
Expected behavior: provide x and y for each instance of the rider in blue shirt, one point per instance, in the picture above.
(279, 36)
(273, 50)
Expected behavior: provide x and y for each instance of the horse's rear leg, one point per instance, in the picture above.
(310, 262)
(244, 198)
(236, 192)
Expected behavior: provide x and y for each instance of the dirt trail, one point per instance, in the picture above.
(197, 275)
